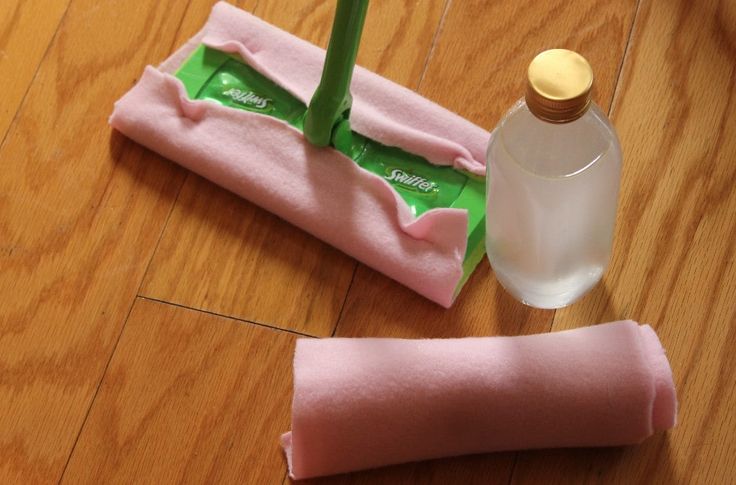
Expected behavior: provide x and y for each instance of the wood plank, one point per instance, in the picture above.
(188, 397)
(479, 66)
(396, 38)
(81, 210)
(249, 264)
(225, 255)
(197, 13)
(26, 28)
(674, 262)
(379, 307)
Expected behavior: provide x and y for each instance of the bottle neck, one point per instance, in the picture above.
(557, 112)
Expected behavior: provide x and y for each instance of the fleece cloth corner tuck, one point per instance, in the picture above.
(364, 403)
(321, 191)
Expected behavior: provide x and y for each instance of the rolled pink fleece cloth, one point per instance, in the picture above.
(321, 191)
(364, 403)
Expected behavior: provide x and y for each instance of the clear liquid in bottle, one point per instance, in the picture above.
(552, 190)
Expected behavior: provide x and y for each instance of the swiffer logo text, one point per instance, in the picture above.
(247, 97)
(410, 181)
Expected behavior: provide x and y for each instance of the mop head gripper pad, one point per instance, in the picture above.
(260, 153)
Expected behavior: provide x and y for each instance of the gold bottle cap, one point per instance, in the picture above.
(559, 84)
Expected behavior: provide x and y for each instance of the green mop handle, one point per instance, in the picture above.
(332, 100)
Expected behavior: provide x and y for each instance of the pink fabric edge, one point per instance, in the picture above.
(286, 438)
(382, 110)
(664, 405)
(153, 114)
(286, 445)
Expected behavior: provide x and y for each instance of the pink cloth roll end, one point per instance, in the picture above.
(664, 407)
(364, 403)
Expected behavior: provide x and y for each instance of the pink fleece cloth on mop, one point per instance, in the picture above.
(320, 190)
(364, 403)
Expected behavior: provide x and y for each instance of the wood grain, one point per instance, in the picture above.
(188, 397)
(674, 260)
(479, 66)
(196, 15)
(80, 212)
(26, 28)
(379, 307)
(223, 254)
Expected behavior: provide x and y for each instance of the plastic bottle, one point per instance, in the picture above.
(554, 165)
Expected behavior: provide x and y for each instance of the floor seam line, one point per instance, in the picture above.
(229, 317)
(345, 301)
(624, 57)
(435, 39)
(97, 390)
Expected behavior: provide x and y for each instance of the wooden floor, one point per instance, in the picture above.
(148, 318)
